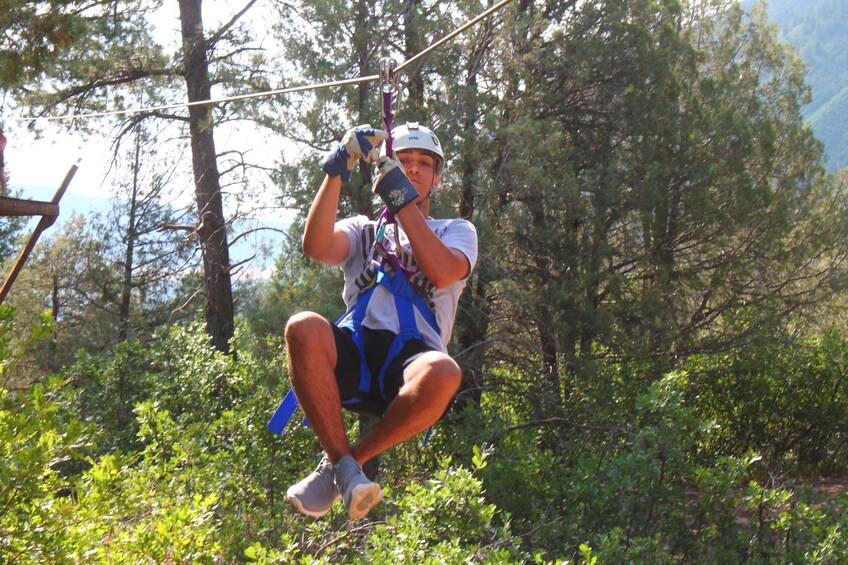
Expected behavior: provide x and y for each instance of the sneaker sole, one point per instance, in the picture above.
(295, 501)
(363, 499)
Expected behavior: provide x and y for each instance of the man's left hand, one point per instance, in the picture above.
(392, 185)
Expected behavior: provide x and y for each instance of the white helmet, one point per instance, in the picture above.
(415, 136)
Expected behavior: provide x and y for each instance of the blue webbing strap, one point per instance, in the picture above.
(354, 323)
(405, 307)
(283, 414)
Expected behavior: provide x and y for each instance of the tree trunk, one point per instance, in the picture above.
(129, 250)
(212, 231)
(552, 395)
(361, 197)
(412, 46)
(473, 314)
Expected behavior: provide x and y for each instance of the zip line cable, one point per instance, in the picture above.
(289, 90)
(453, 34)
(204, 102)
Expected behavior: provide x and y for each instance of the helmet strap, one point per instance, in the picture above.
(426, 199)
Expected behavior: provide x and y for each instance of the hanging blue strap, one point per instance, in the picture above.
(354, 323)
(427, 435)
(284, 413)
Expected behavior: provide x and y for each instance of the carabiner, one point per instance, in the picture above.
(389, 84)
(389, 98)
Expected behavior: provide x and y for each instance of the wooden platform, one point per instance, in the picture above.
(21, 207)
(48, 211)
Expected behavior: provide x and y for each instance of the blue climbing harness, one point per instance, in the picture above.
(407, 302)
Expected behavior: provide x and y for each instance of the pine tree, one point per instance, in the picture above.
(111, 53)
(656, 189)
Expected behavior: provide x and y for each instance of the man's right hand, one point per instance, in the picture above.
(358, 143)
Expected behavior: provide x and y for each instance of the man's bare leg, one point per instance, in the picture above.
(312, 359)
(430, 382)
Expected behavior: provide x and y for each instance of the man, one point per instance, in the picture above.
(388, 354)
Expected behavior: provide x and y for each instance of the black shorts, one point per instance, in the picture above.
(377, 344)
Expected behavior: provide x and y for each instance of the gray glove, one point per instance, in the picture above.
(358, 143)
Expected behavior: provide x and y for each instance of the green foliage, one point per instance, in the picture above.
(646, 191)
(652, 489)
(203, 479)
(297, 284)
(787, 399)
(184, 497)
(126, 519)
(204, 482)
(16, 341)
(35, 443)
(36, 34)
(179, 371)
(444, 520)
(66, 276)
(816, 29)
(108, 386)
(665, 197)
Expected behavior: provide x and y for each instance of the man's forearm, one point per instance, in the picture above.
(440, 264)
(320, 222)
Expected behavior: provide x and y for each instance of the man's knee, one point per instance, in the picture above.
(441, 372)
(310, 342)
(302, 324)
(307, 328)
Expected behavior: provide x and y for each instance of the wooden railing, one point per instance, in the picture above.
(48, 211)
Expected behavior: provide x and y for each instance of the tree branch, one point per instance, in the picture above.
(565, 422)
(216, 37)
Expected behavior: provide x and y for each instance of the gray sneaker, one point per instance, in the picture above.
(315, 494)
(359, 494)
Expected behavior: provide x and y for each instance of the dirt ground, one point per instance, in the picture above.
(828, 485)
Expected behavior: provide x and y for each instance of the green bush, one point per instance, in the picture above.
(35, 444)
(644, 476)
(787, 401)
(34, 495)
(445, 519)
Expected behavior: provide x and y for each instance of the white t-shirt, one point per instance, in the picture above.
(360, 269)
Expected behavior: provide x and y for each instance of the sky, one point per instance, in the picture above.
(37, 165)
(44, 161)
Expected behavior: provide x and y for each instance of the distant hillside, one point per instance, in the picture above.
(243, 249)
(71, 201)
(819, 29)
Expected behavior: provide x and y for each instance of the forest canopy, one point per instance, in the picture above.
(652, 344)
